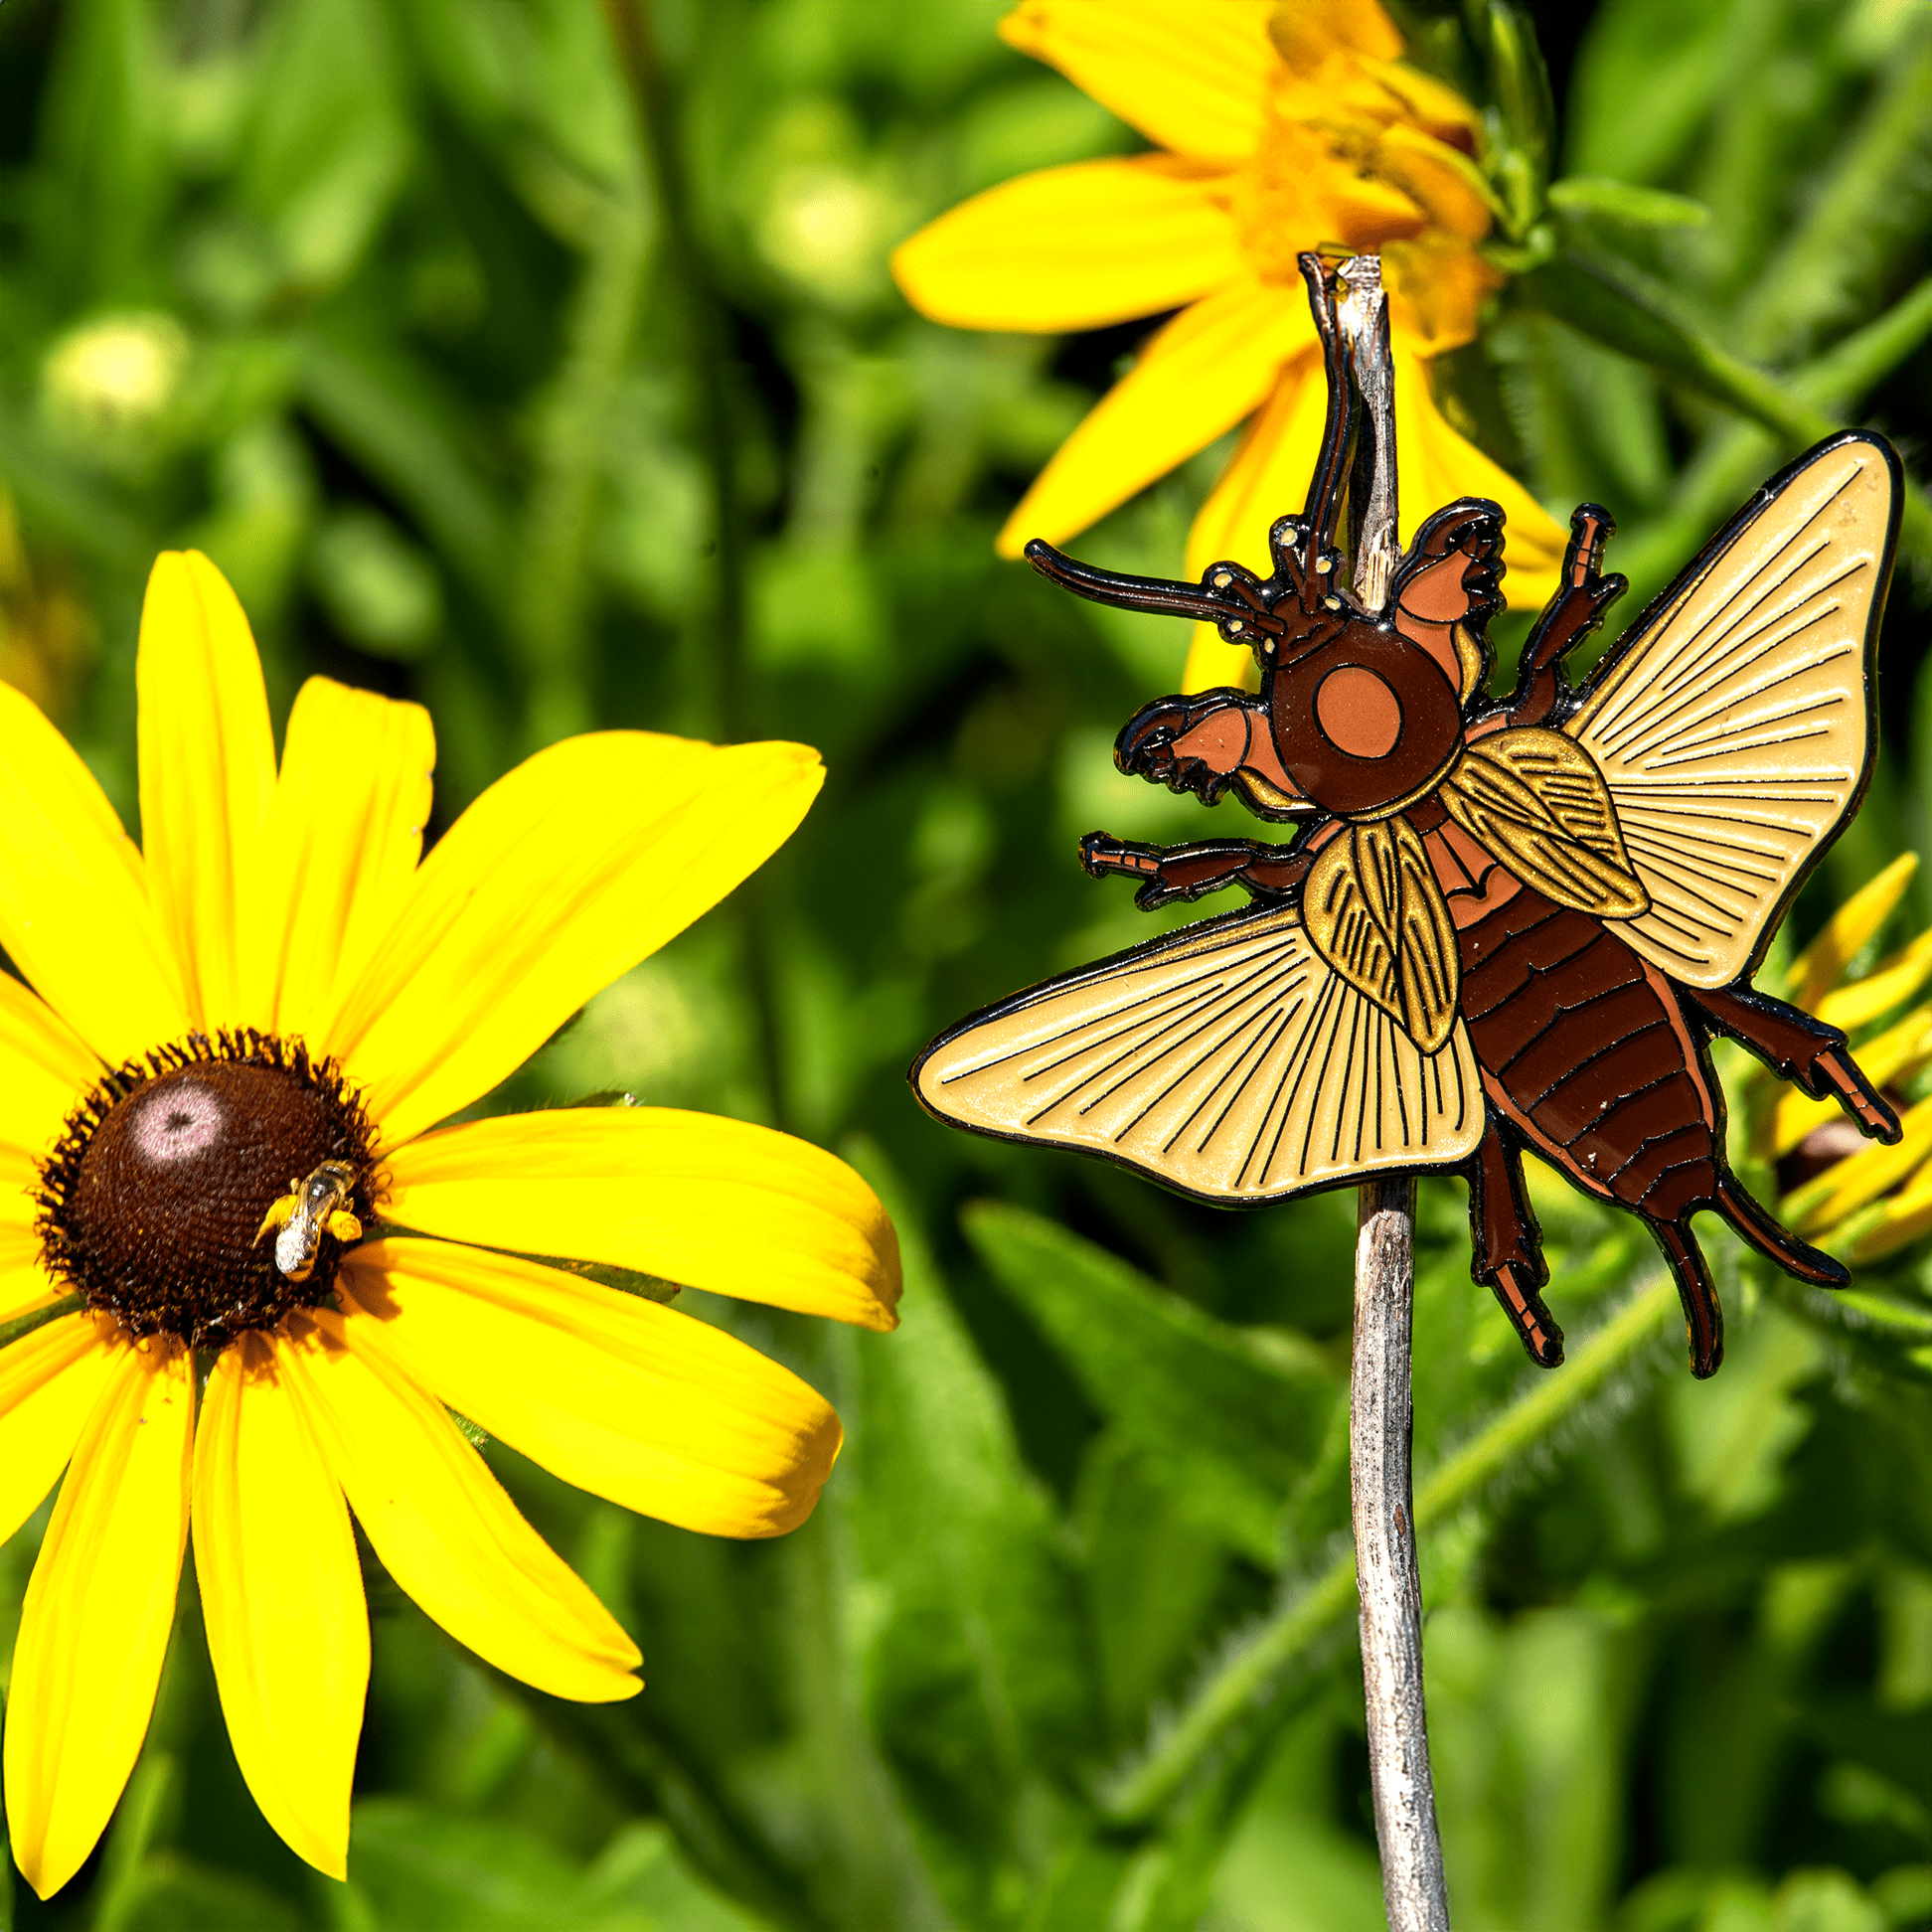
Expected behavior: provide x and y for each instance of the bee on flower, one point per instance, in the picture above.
(1278, 128)
(250, 1027)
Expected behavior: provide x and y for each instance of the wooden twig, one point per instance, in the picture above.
(1380, 1422)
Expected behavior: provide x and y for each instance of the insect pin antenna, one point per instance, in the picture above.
(1245, 608)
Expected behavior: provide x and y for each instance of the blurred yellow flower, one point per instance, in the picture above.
(247, 1029)
(1285, 127)
(1871, 1200)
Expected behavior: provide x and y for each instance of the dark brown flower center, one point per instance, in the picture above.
(153, 1201)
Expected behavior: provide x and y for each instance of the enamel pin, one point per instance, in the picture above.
(1503, 924)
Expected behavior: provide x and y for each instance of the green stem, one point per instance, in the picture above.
(1250, 1676)
(1617, 306)
(1846, 371)
(704, 327)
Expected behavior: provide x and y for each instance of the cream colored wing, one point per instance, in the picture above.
(1227, 1060)
(1733, 725)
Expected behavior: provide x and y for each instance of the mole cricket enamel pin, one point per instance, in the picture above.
(1503, 924)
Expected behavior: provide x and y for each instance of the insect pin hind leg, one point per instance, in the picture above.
(1815, 1057)
(1703, 1316)
(1506, 1245)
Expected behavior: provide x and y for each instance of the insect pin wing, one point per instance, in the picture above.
(1732, 722)
(1227, 1060)
(1376, 916)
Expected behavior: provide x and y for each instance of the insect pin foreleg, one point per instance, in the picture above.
(1188, 871)
(1569, 617)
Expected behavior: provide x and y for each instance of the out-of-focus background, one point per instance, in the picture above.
(391, 311)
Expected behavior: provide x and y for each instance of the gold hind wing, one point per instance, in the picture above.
(1734, 724)
(1227, 1060)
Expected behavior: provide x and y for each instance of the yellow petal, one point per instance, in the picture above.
(45, 1069)
(1443, 179)
(75, 915)
(1307, 32)
(1437, 286)
(1306, 188)
(208, 773)
(709, 1202)
(1075, 247)
(441, 1523)
(1848, 932)
(654, 1410)
(23, 1284)
(1432, 104)
(1890, 983)
(341, 844)
(1434, 467)
(1193, 78)
(48, 1382)
(1847, 1184)
(1198, 376)
(1899, 1222)
(562, 875)
(282, 1602)
(1268, 479)
(94, 1625)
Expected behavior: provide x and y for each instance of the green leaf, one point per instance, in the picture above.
(1152, 1570)
(1229, 1418)
(167, 1892)
(329, 144)
(978, 1677)
(1644, 79)
(1523, 116)
(412, 1868)
(1617, 201)
(1624, 308)
(1863, 219)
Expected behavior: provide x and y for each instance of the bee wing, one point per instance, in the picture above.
(1227, 1060)
(1733, 722)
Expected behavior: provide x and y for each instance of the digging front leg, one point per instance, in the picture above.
(1189, 871)
(1191, 744)
(1569, 617)
(1798, 1049)
(1506, 1245)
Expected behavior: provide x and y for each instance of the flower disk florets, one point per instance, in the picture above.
(152, 1202)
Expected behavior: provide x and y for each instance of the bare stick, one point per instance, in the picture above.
(1413, 1892)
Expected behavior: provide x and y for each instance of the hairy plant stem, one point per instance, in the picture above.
(1253, 1674)
(705, 329)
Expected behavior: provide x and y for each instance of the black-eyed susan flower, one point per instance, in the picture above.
(1281, 127)
(252, 1277)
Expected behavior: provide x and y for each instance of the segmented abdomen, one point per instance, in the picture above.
(1582, 1051)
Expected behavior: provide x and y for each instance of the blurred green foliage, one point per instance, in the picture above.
(480, 395)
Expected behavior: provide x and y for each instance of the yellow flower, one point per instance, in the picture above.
(275, 991)
(1285, 127)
